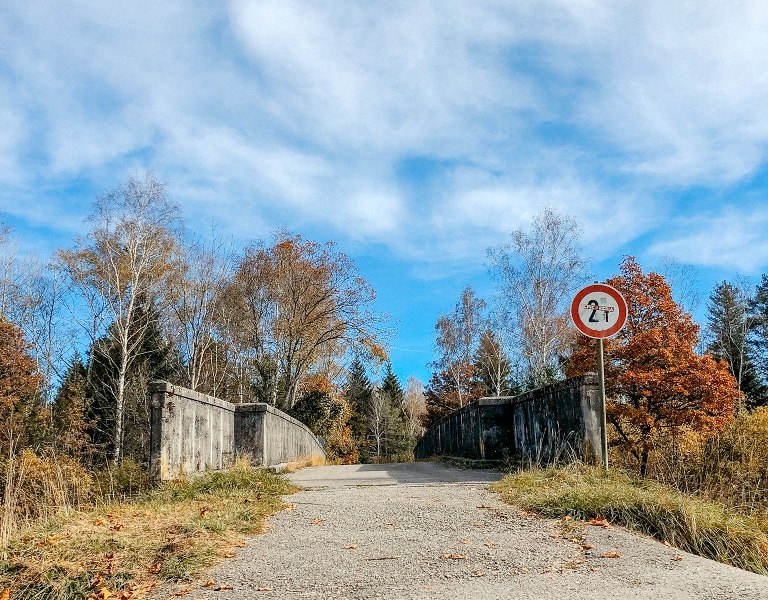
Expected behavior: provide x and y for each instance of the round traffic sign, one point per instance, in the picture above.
(599, 310)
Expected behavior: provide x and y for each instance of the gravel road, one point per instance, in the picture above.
(428, 531)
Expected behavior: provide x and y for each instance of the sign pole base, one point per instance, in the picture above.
(601, 393)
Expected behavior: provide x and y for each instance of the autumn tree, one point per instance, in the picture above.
(537, 271)
(127, 259)
(730, 324)
(657, 386)
(22, 414)
(302, 303)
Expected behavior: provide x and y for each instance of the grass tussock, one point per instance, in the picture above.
(695, 525)
(123, 549)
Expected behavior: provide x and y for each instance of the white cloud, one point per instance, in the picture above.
(286, 113)
(734, 239)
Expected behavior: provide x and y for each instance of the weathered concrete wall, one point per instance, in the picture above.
(267, 435)
(560, 421)
(192, 432)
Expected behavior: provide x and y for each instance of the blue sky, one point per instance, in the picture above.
(415, 134)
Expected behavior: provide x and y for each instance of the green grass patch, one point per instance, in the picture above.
(123, 549)
(691, 524)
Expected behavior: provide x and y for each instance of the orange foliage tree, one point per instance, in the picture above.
(20, 381)
(656, 385)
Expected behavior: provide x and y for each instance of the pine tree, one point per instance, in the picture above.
(68, 412)
(758, 339)
(730, 324)
(359, 395)
(396, 439)
(154, 358)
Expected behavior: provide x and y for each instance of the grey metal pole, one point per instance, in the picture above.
(601, 393)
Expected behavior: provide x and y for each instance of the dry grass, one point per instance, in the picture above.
(35, 488)
(122, 549)
(315, 460)
(694, 525)
(731, 468)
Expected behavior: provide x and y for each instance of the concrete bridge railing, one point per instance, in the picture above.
(559, 421)
(193, 432)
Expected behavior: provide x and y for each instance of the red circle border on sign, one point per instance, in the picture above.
(611, 291)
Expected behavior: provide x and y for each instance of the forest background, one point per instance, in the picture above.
(291, 322)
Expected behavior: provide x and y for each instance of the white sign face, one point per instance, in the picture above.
(599, 310)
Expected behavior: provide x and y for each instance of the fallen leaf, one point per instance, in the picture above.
(209, 583)
(239, 544)
(466, 542)
(610, 555)
(490, 544)
(317, 521)
(454, 556)
(599, 521)
(204, 511)
(677, 557)
(5, 594)
(183, 592)
(221, 588)
(666, 543)
(229, 554)
(478, 574)
(99, 522)
(155, 569)
(351, 547)
(116, 526)
(109, 555)
(587, 546)
(104, 593)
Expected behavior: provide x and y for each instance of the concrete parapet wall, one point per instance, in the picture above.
(193, 432)
(559, 421)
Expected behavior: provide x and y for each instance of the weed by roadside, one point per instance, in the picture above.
(694, 525)
(122, 549)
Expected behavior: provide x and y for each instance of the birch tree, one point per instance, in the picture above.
(537, 272)
(125, 261)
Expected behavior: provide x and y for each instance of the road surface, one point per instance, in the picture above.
(427, 531)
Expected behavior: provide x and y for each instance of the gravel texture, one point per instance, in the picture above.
(420, 534)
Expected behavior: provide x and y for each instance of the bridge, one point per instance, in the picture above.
(194, 432)
(553, 423)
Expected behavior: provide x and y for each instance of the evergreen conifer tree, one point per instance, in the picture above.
(358, 392)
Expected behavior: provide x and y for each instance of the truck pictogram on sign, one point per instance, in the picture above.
(599, 310)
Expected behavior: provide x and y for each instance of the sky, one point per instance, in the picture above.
(414, 134)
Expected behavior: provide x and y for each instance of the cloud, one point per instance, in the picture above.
(288, 113)
(734, 239)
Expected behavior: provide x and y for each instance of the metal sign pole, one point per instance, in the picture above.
(601, 393)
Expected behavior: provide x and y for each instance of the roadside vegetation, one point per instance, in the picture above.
(98, 548)
(693, 524)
